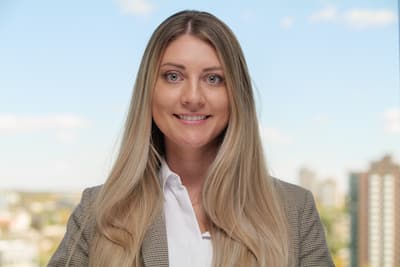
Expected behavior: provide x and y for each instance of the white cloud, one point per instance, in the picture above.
(287, 22)
(357, 18)
(135, 7)
(391, 119)
(57, 173)
(13, 123)
(366, 18)
(274, 136)
(325, 14)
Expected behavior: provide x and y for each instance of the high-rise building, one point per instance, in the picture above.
(375, 215)
(325, 191)
(328, 193)
(308, 179)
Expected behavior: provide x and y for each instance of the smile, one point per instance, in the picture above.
(191, 118)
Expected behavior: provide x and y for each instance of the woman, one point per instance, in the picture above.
(190, 186)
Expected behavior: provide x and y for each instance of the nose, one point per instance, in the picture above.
(192, 96)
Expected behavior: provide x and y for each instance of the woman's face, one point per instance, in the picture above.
(190, 101)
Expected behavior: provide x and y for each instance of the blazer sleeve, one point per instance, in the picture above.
(75, 243)
(314, 250)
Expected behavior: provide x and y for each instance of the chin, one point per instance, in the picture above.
(194, 144)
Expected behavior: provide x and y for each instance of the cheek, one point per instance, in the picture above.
(157, 103)
(164, 97)
(157, 117)
(157, 114)
(225, 107)
(156, 110)
(161, 110)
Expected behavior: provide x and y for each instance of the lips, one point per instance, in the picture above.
(193, 118)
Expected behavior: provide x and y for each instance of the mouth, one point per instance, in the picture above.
(192, 118)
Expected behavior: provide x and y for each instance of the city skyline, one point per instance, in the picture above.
(374, 212)
(325, 73)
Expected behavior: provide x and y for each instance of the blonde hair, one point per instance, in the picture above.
(247, 221)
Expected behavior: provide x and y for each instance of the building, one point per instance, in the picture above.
(374, 204)
(18, 253)
(325, 191)
(328, 193)
(308, 179)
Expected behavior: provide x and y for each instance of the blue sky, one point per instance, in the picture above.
(326, 73)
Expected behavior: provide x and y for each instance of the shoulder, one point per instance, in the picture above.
(90, 193)
(74, 247)
(85, 208)
(292, 195)
(297, 201)
(308, 243)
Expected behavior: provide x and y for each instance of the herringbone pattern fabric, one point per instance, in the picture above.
(308, 245)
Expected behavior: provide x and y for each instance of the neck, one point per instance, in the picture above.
(191, 164)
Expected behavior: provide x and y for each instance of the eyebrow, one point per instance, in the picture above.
(179, 66)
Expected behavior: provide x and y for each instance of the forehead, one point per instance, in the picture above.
(188, 49)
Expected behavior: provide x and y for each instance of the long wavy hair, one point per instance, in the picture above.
(246, 218)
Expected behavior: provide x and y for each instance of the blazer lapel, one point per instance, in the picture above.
(155, 245)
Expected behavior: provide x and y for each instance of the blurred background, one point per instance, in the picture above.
(326, 75)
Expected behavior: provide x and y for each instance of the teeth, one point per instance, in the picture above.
(191, 118)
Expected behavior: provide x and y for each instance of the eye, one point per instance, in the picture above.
(172, 76)
(215, 79)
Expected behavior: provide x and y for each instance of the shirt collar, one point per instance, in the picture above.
(166, 174)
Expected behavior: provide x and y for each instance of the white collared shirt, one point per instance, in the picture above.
(187, 246)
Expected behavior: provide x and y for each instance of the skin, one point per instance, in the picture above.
(190, 106)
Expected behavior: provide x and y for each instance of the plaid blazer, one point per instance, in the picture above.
(308, 246)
